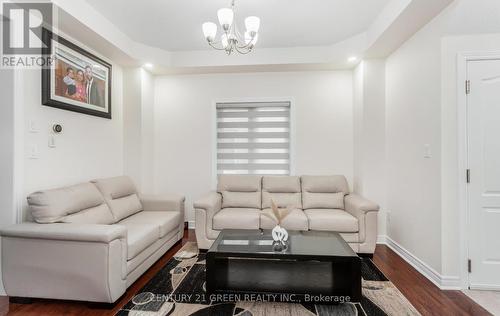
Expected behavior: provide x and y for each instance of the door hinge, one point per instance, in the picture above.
(469, 265)
(467, 86)
(468, 175)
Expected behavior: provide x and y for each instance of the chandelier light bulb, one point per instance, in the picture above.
(252, 23)
(210, 31)
(226, 17)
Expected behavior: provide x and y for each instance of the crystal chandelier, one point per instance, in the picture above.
(231, 39)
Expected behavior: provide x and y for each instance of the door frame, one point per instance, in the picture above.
(463, 59)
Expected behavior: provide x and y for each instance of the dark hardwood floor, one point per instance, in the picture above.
(422, 293)
(425, 296)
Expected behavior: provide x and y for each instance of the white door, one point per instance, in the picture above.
(483, 106)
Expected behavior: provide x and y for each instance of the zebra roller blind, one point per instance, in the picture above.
(253, 138)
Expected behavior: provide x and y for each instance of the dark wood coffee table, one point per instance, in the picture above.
(316, 267)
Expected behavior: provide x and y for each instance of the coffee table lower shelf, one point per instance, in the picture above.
(294, 279)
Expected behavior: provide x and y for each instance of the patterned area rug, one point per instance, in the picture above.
(178, 289)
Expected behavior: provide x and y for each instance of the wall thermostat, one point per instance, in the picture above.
(57, 128)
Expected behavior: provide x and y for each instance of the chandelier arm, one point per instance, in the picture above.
(241, 39)
(246, 46)
(212, 44)
(243, 52)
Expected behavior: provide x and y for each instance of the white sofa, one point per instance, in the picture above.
(89, 241)
(321, 203)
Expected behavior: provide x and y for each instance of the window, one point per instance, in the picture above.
(253, 138)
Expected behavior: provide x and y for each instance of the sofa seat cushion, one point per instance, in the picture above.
(332, 220)
(165, 221)
(139, 237)
(237, 218)
(296, 220)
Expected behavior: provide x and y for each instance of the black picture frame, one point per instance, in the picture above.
(48, 37)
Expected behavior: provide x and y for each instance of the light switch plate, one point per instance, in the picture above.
(33, 152)
(52, 141)
(33, 128)
(427, 151)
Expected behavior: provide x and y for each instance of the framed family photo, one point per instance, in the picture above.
(76, 80)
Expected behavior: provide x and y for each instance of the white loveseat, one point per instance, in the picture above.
(89, 241)
(321, 203)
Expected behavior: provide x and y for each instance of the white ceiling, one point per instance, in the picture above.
(175, 25)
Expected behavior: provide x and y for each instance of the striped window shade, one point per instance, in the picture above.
(253, 138)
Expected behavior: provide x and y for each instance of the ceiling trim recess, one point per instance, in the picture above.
(397, 22)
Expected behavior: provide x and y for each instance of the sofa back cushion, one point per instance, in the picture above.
(80, 203)
(121, 195)
(240, 191)
(324, 191)
(283, 190)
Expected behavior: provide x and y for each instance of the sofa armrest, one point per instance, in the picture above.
(163, 202)
(211, 203)
(358, 205)
(366, 212)
(66, 232)
(205, 209)
(82, 262)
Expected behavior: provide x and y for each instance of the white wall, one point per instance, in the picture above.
(369, 134)
(185, 124)
(7, 208)
(89, 147)
(422, 192)
(138, 127)
(358, 104)
(374, 164)
(413, 119)
(132, 125)
(148, 131)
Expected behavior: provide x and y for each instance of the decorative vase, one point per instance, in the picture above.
(280, 234)
(279, 246)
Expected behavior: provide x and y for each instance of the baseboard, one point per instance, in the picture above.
(444, 282)
(451, 283)
(485, 287)
(191, 225)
